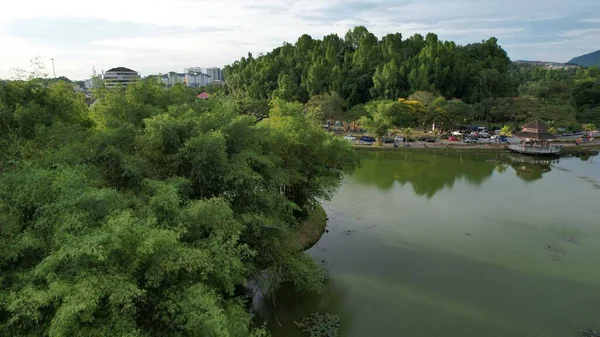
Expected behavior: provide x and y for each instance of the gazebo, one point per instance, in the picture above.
(535, 139)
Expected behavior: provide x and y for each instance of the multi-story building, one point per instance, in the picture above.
(171, 78)
(197, 79)
(193, 70)
(119, 77)
(190, 79)
(215, 73)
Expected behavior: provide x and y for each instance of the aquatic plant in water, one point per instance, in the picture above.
(320, 325)
(590, 333)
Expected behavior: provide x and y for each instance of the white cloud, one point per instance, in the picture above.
(161, 35)
(581, 32)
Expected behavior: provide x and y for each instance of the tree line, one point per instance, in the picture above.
(147, 214)
(454, 84)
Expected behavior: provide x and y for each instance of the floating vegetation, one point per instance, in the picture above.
(557, 253)
(570, 239)
(320, 325)
(590, 333)
(591, 181)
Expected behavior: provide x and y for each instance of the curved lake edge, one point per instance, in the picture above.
(386, 263)
(311, 230)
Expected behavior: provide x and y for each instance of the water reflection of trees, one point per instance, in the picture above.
(586, 155)
(290, 305)
(530, 169)
(427, 173)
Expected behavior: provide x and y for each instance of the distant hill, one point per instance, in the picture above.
(588, 60)
(545, 65)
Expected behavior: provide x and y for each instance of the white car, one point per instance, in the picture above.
(456, 133)
(349, 137)
(398, 139)
(484, 134)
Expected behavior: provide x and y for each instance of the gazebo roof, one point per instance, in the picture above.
(534, 130)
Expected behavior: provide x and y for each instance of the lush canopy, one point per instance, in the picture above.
(146, 214)
(362, 67)
(476, 81)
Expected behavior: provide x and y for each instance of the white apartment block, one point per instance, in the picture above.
(190, 79)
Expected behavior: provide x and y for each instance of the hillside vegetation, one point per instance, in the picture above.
(587, 60)
(452, 84)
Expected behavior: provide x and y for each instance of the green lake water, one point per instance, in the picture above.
(446, 244)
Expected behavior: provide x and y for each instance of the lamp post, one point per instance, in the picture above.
(53, 71)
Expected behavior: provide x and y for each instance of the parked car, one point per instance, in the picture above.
(399, 139)
(502, 140)
(426, 139)
(470, 140)
(483, 134)
(456, 133)
(453, 139)
(367, 139)
(349, 137)
(388, 140)
(498, 137)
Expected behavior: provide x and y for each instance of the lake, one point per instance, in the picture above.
(447, 244)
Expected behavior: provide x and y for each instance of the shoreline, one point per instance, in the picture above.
(311, 230)
(566, 148)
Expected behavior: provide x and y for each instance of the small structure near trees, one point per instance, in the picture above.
(535, 140)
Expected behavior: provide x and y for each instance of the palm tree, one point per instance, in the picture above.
(505, 131)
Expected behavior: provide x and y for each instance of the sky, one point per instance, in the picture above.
(157, 36)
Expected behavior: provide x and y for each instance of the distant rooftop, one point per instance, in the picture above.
(121, 69)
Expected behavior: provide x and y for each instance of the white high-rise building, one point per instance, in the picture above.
(120, 76)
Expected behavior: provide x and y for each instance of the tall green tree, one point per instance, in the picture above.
(379, 119)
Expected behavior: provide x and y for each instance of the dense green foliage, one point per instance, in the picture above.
(562, 96)
(455, 84)
(145, 215)
(587, 60)
(361, 67)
